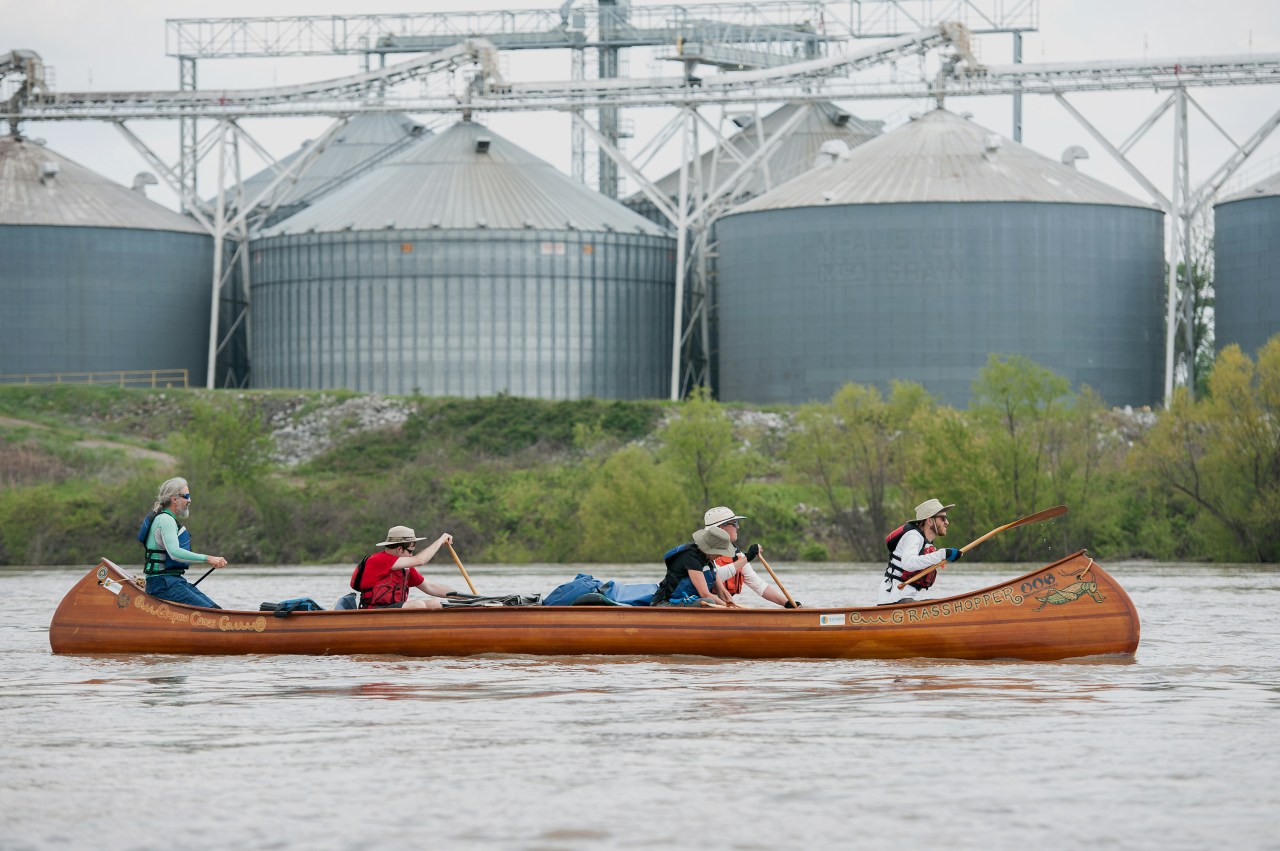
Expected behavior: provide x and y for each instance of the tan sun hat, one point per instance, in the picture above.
(715, 516)
(714, 542)
(398, 535)
(930, 507)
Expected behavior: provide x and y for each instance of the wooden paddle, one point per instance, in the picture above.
(778, 581)
(458, 562)
(1056, 511)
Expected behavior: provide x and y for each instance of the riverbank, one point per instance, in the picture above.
(291, 477)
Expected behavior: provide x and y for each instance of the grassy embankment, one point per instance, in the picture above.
(80, 465)
(311, 477)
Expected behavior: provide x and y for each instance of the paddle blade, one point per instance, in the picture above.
(1047, 514)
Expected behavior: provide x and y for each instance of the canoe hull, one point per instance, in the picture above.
(1067, 609)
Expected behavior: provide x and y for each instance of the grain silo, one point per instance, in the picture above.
(1246, 249)
(465, 266)
(823, 130)
(359, 146)
(928, 248)
(95, 277)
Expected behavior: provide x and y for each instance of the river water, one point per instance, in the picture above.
(1178, 748)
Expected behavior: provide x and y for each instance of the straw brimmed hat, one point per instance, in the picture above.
(398, 535)
(930, 507)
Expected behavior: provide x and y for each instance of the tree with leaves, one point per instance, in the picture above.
(853, 450)
(700, 452)
(633, 510)
(1220, 455)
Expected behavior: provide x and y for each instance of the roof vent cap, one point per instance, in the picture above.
(482, 144)
(1073, 153)
(991, 146)
(141, 181)
(831, 151)
(48, 171)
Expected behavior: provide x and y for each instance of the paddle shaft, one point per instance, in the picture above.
(1056, 511)
(778, 581)
(201, 579)
(458, 562)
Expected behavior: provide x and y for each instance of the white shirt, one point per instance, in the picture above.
(912, 541)
(750, 578)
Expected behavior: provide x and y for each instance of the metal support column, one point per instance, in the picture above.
(1184, 223)
(607, 69)
(219, 221)
(687, 150)
(188, 155)
(1174, 214)
(578, 137)
(1017, 96)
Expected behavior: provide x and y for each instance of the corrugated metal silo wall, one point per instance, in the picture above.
(103, 299)
(812, 298)
(555, 315)
(1246, 245)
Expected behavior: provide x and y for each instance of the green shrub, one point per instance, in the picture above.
(814, 551)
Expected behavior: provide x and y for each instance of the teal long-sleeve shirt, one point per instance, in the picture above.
(164, 536)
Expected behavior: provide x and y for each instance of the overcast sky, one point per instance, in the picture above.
(121, 45)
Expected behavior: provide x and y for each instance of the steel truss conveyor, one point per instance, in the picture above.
(838, 76)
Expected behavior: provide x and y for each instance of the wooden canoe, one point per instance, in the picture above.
(1069, 608)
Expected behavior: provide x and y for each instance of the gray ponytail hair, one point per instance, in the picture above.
(168, 491)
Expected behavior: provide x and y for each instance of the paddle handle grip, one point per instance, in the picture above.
(930, 569)
(458, 562)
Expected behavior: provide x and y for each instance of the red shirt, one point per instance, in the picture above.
(381, 586)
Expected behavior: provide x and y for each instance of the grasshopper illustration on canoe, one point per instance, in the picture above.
(1072, 592)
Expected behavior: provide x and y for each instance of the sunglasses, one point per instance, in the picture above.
(944, 518)
(733, 523)
(185, 495)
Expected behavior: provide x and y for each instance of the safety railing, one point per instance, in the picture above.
(155, 378)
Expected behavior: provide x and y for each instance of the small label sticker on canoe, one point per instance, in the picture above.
(112, 586)
(831, 620)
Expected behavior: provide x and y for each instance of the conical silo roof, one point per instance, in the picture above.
(941, 157)
(1264, 188)
(794, 155)
(365, 140)
(41, 187)
(466, 177)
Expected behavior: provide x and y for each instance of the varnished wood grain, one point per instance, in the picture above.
(1070, 608)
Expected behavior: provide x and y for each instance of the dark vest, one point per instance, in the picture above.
(677, 570)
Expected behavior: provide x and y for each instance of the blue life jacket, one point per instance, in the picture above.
(157, 562)
(287, 607)
(674, 586)
(684, 588)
